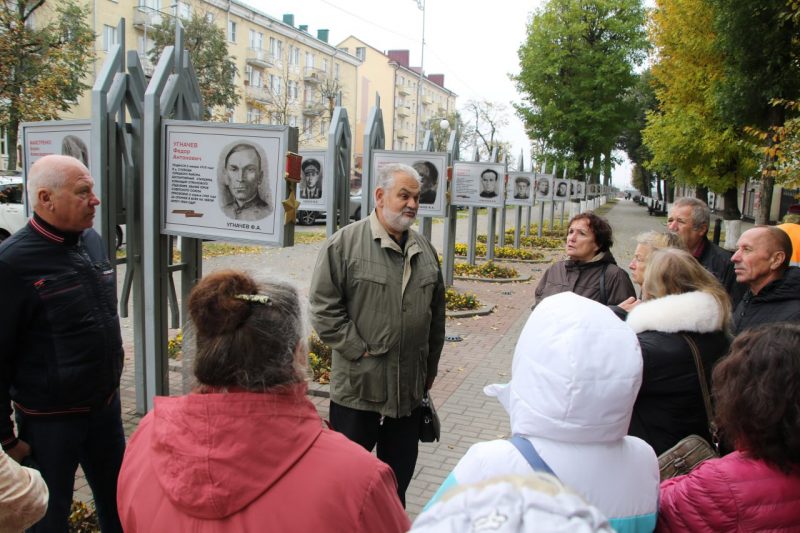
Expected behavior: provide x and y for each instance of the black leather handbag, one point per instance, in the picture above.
(430, 428)
(690, 451)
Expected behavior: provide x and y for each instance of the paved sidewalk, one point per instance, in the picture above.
(483, 357)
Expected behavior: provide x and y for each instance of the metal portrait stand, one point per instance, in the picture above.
(472, 228)
(501, 235)
(518, 210)
(492, 229)
(426, 223)
(118, 159)
(374, 139)
(173, 92)
(449, 233)
(340, 149)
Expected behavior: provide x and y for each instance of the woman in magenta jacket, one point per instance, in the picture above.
(247, 451)
(757, 487)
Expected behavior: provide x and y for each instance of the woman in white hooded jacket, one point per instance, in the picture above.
(576, 372)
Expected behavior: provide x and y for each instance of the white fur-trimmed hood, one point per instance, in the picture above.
(691, 311)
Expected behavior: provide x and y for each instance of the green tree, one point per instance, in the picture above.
(42, 64)
(442, 135)
(576, 66)
(208, 50)
(483, 125)
(759, 43)
(641, 99)
(687, 134)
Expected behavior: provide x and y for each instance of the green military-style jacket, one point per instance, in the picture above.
(370, 297)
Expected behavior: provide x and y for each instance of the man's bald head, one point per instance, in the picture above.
(50, 172)
(778, 241)
(762, 255)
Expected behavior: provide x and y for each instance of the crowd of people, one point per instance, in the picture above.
(604, 381)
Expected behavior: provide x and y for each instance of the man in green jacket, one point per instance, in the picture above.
(377, 298)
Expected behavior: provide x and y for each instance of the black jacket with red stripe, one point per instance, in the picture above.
(60, 342)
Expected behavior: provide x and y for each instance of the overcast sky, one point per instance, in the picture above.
(476, 49)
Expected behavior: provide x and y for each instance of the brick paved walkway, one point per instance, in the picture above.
(483, 357)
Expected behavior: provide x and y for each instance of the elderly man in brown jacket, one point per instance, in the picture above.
(377, 298)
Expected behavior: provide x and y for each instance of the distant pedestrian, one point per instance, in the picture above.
(377, 298)
(61, 344)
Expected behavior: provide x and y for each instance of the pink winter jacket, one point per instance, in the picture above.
(243, 461)
(733, 493)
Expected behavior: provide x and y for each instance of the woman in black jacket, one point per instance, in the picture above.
(680, 299)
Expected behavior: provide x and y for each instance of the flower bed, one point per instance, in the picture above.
(489, 270)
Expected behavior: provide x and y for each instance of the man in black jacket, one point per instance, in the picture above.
(62, 354)
(761, 262)
(690, 218)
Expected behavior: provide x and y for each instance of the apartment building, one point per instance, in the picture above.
(403, 99)
(286, 75)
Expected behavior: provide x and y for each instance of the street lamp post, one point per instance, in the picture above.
(421, 6)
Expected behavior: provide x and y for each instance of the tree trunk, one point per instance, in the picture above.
(607, 168)
(658, 187)
(730, 210)
(765, 203)
(12, 128)
(701, 192)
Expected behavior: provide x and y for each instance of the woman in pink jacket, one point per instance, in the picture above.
(247, 450)
(757, 487)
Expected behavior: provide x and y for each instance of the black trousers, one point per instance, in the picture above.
(397, 438)
(96, 441)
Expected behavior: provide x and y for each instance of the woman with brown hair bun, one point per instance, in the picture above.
(757, 487)
(247, 451)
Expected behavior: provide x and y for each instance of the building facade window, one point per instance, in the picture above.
(184, 10)
(275, 48)
(324, 65)
(109, 37)
(152, 4)
(307, 124)
(336, 71)
(309, 60)
(291, 90)
(231, 31)
(361, 52)
(256, 40)
(294, 55)
(253, 115)
(275, 83)
(293, 120)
